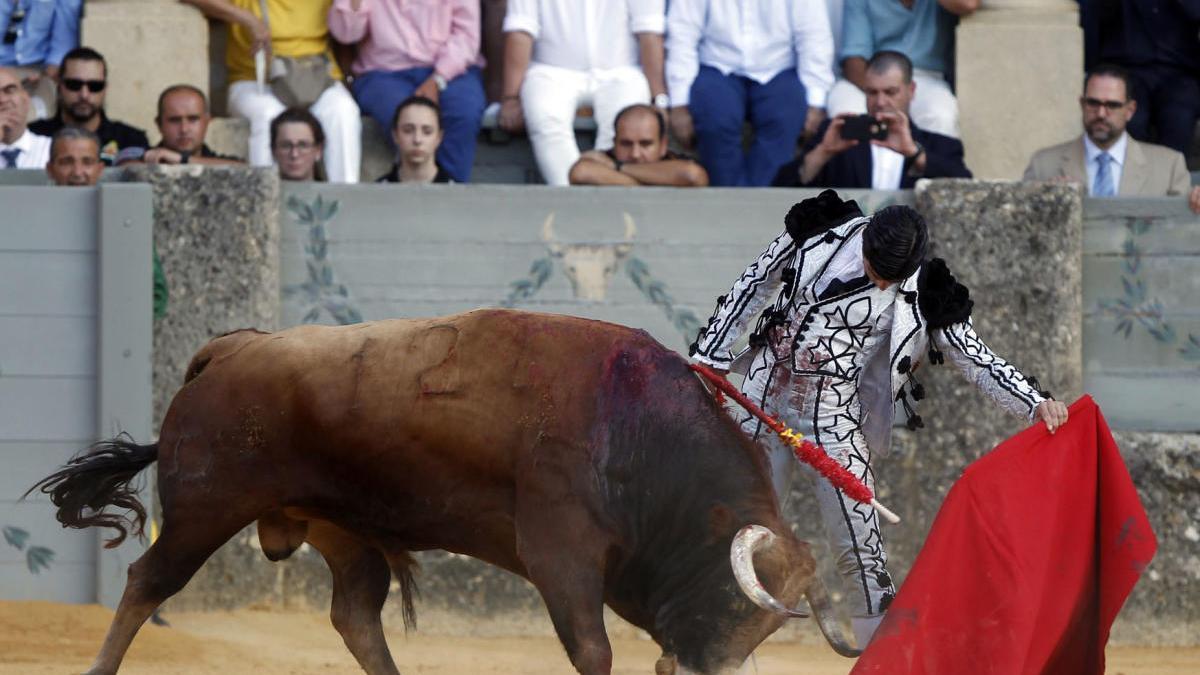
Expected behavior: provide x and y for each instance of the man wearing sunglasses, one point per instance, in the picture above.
(36, 36)
(81, 90)
(1106, 159)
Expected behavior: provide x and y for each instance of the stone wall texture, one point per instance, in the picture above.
(1017, 247)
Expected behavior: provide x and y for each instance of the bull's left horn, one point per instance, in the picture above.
(749, 540)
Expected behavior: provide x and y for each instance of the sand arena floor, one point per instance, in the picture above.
(38, 638)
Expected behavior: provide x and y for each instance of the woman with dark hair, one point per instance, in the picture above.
(298, 145)
(417, 131)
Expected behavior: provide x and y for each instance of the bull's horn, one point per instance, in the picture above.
(748, 541)
(630, 227)
(549, 236)
(822, 607)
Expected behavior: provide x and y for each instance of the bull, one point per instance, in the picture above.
(580, 455)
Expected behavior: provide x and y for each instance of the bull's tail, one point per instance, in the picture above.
(822, 607)
(99, 478)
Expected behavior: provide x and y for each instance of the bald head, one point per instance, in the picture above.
(640, 135)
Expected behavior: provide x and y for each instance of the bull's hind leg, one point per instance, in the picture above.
(361, 577)
(161, 572)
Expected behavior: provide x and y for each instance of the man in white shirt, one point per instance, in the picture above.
(19, 147)
(1105, 159)
(561, 54)
(769, 62)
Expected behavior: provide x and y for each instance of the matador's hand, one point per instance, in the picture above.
(1053, 413)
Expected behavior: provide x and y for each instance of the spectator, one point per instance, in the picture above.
(640, 155)
(417, 133)
(560, 54)
(1105, 158)
(20, 148)
(81, 91)
(75, 162)
(183, 122)
(37, 35)
(729, 62)
(893, 163)
(492, 21)
(1155, 41)
(74, 158)
(424, 49)
(298, 142)
(296, 30)
(922, 30)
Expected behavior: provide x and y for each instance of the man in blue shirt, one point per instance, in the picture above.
(37, 34)
(922, 30)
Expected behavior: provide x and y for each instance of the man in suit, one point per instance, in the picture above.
(893, 163)
(1105, 158)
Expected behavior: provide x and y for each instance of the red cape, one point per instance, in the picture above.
(1027, 564)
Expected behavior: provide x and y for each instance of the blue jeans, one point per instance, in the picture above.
(379, 93)
(721, 104)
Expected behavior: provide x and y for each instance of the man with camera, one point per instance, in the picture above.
(882, 150)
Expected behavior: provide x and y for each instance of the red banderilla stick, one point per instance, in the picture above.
(806, 451)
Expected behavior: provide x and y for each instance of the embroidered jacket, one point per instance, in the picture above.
(930, 314)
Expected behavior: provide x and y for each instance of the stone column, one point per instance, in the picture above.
(1019, 71)
(149, 45)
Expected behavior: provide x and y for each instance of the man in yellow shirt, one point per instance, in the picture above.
(294, 28)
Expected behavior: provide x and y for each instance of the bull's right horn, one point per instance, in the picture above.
(749, 540)
(822, 607)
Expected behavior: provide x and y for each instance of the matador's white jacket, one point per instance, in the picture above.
(841, 339)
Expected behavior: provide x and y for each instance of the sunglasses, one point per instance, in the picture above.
(14, 24)
(94, 86)
(1110, 106)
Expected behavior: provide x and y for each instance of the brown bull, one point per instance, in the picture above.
(580, 455)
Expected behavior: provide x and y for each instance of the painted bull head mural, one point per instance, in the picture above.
(589, 267)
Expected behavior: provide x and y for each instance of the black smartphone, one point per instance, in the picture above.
(863, 128)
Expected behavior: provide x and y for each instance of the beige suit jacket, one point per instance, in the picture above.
(1149, 170)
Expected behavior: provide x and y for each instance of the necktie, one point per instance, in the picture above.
(1103, 186)
(10, 157)
(839, 286)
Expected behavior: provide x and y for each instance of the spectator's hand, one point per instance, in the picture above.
(899, 136)
(1053, 413)
(812, 121)
(511, 117)
(161, 156)
(832, 142)
(10, 119)
(429, 90)
(599, 158)
(1194, 199)
(260, 35)
(682, 126)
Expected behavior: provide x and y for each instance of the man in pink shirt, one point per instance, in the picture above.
(426, 48)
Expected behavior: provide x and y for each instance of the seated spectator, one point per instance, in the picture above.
(183, 122)
(922, 30)
(75, 162)
(417, 133)
(294, 30)
(81, 92)
(20, 148)
(492, 23)
(423, 49)
(75, 158)
(561, 54)
(893, 163)
(1105, 158)
(730, 62)
(639, 157)
(298, 142)
(36, 37)
(1156, 44)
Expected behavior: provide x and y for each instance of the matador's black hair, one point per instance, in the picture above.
(895, 242)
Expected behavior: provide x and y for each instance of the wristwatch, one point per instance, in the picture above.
(920, 151)
(662, 101)
(440, 82)
(184, 156)
(617, 164)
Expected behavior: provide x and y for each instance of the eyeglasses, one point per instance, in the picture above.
(94, 86)
(14, 22)
(1110, 106)
(287, 147)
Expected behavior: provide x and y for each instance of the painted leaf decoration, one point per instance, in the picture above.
(38, 558)
(16, 537)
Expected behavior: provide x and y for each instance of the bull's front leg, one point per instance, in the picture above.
(563, 550)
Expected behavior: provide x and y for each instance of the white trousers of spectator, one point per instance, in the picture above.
(549, 98)
(933, 108)
(336, 111)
